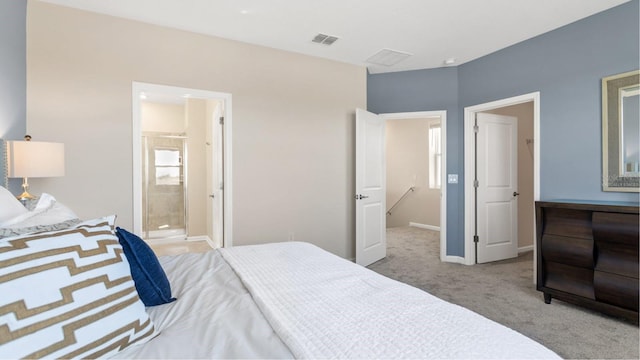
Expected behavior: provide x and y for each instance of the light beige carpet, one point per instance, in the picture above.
(504, 292)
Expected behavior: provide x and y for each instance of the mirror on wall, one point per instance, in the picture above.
(621, 132)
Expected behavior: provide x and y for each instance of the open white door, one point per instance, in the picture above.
(371, 242)
(209, 170)
(215, 172)
(497, 192)
(217, 194)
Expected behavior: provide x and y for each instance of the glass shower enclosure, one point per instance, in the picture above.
(164, 184)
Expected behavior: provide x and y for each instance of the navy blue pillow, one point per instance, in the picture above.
(151, 282)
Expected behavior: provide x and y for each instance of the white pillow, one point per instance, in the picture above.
(10, 207)
(48, 211)
(69, 294)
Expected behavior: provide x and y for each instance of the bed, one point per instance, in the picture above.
(73, 288)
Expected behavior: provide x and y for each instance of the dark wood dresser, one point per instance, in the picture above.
(587, 254)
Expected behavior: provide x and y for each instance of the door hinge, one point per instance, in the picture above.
(476, 184)
(476, 238)
(221, 120)
(476, 129)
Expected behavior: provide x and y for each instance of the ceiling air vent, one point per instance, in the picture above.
(388, 57)
(324, 39)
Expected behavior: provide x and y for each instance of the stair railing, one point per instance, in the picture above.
(402, 197)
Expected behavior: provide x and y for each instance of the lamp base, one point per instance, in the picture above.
(25, 191)
(25, 196)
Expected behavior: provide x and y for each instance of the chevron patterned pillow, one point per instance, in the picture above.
(68, 294)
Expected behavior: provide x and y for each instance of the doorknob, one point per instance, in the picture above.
(360, 197)
(516, 193)
(212, 196)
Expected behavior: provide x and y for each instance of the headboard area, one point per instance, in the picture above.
(3, 165)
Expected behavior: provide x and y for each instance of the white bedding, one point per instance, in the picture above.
(295, 300)
(213, 318)
(323, 306)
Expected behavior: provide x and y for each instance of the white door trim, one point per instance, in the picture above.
(443, 191)
(469, 166)
(140, 87)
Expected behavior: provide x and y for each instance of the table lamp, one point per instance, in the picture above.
(28, 159)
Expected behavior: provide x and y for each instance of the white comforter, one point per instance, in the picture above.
(323, 306)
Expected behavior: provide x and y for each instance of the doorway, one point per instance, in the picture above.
(529, 150)
(370, 179)
(181, 158)
(413, 173)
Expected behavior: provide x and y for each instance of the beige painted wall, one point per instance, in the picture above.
(293, 120)
(167, 118)
(526, 207)
(196, 116)
(407, 151)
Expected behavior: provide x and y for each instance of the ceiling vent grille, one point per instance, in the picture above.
(388, 57)
(324, 39)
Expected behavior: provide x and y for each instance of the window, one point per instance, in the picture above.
(435, 155)
(168, 166)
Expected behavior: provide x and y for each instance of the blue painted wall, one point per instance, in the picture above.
(566, 66)
(13, 72)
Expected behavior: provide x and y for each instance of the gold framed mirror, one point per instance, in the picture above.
(621, 132)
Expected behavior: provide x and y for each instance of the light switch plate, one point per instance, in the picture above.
(452, 178)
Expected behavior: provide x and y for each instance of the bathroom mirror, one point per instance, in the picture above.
(621, 132)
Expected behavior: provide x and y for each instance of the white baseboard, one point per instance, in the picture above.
(204, 238)
(424, 226)
(199, 238)
(177, 239)
(525, 249)
(453, 259)
(163, 241)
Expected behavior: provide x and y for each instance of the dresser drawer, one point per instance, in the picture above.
(570, 279)
(618, 259)
(567, 222)
(568, 250)
(616, 228)
(616, 290)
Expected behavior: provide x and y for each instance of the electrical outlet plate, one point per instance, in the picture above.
(452, 178)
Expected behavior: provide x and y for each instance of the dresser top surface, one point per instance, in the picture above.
(594, 202)
(615, 206)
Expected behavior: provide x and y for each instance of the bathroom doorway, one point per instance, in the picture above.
(182, 164)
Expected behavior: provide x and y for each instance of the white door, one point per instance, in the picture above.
(216, 193)
(371, 242)
(497, 175)
(209, 171)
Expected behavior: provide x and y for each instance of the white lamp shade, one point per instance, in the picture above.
(30, 159)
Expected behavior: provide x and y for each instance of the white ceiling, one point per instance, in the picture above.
(432, 30)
